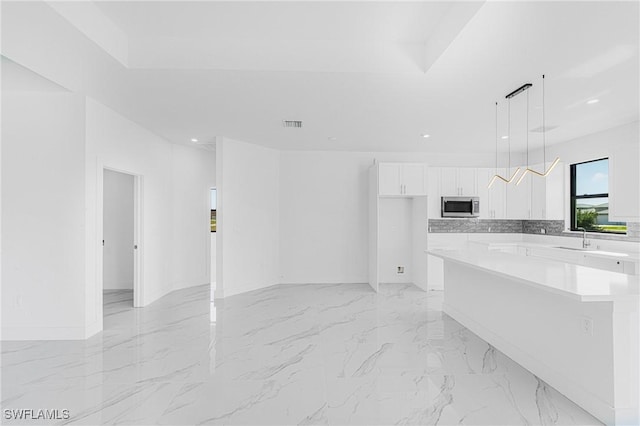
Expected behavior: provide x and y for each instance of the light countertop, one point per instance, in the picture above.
(591, 251)
(567, 279)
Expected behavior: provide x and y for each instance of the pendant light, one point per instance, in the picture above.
(544, 144)
(497, 176)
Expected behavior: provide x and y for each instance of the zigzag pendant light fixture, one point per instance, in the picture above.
(544, 145)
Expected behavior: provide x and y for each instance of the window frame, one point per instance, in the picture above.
(573, 197)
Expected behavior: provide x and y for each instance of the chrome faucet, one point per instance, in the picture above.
(585, 243)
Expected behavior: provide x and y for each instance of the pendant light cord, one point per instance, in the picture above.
(496, 138)
(544, 130)
(526, 129)
(509, 135)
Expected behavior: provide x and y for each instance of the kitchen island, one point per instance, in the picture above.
(573, 326)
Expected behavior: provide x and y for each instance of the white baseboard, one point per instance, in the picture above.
(44, 333)
(93, 329)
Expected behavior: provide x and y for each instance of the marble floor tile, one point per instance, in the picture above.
(290, 354)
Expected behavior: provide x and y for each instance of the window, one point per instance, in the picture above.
(590, 198)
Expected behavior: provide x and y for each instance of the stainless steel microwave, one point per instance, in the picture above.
(460, 207)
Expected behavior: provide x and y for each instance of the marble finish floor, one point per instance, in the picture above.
(304, 354)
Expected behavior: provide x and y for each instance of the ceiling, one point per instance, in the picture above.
(376, 76)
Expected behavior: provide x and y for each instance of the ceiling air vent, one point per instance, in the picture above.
(292, 123)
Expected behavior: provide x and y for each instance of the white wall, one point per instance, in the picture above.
(174, 244)
(324, 217)
(395, 239)
(119, 144)
(610, 143)
(213, 271)
(214, 242)
(323, 203)
(55, 147)
(591, 147)
(43, 215)
(247, 180)
(324, 211)
(118, 231)
(193, 175)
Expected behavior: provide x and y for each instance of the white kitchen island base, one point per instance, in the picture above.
(583, 344)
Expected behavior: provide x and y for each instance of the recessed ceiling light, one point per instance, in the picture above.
(593, 101)
(505, 137)
(424, 135)
(194, 140)
(332, 138)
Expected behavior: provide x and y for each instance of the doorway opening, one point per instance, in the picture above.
(120, 239)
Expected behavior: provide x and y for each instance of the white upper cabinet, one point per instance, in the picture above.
(468, 181)
(518, 199)
(492, 200)
(413, 177)
(497, 201)
(402, 179)
(458, 181)
(624, 178)
(433, 190)
(449, 182)
(389, 179)
(535, 198)
(483, 193)
(547, 193)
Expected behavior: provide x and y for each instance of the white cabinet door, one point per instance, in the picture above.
(458, 181)
(483, 176)
(492, 200)
(467, 181)
(547, 193)
(434, 194)
(518, 198)
(538, 195)
(449, 182)
(497, 198)
(624, 178)
(555, 200)
(389, 179)
(614, 265)
(413, 179)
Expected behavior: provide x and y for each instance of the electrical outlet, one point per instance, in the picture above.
(543, 231)
(586, 325)
(400, 270)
